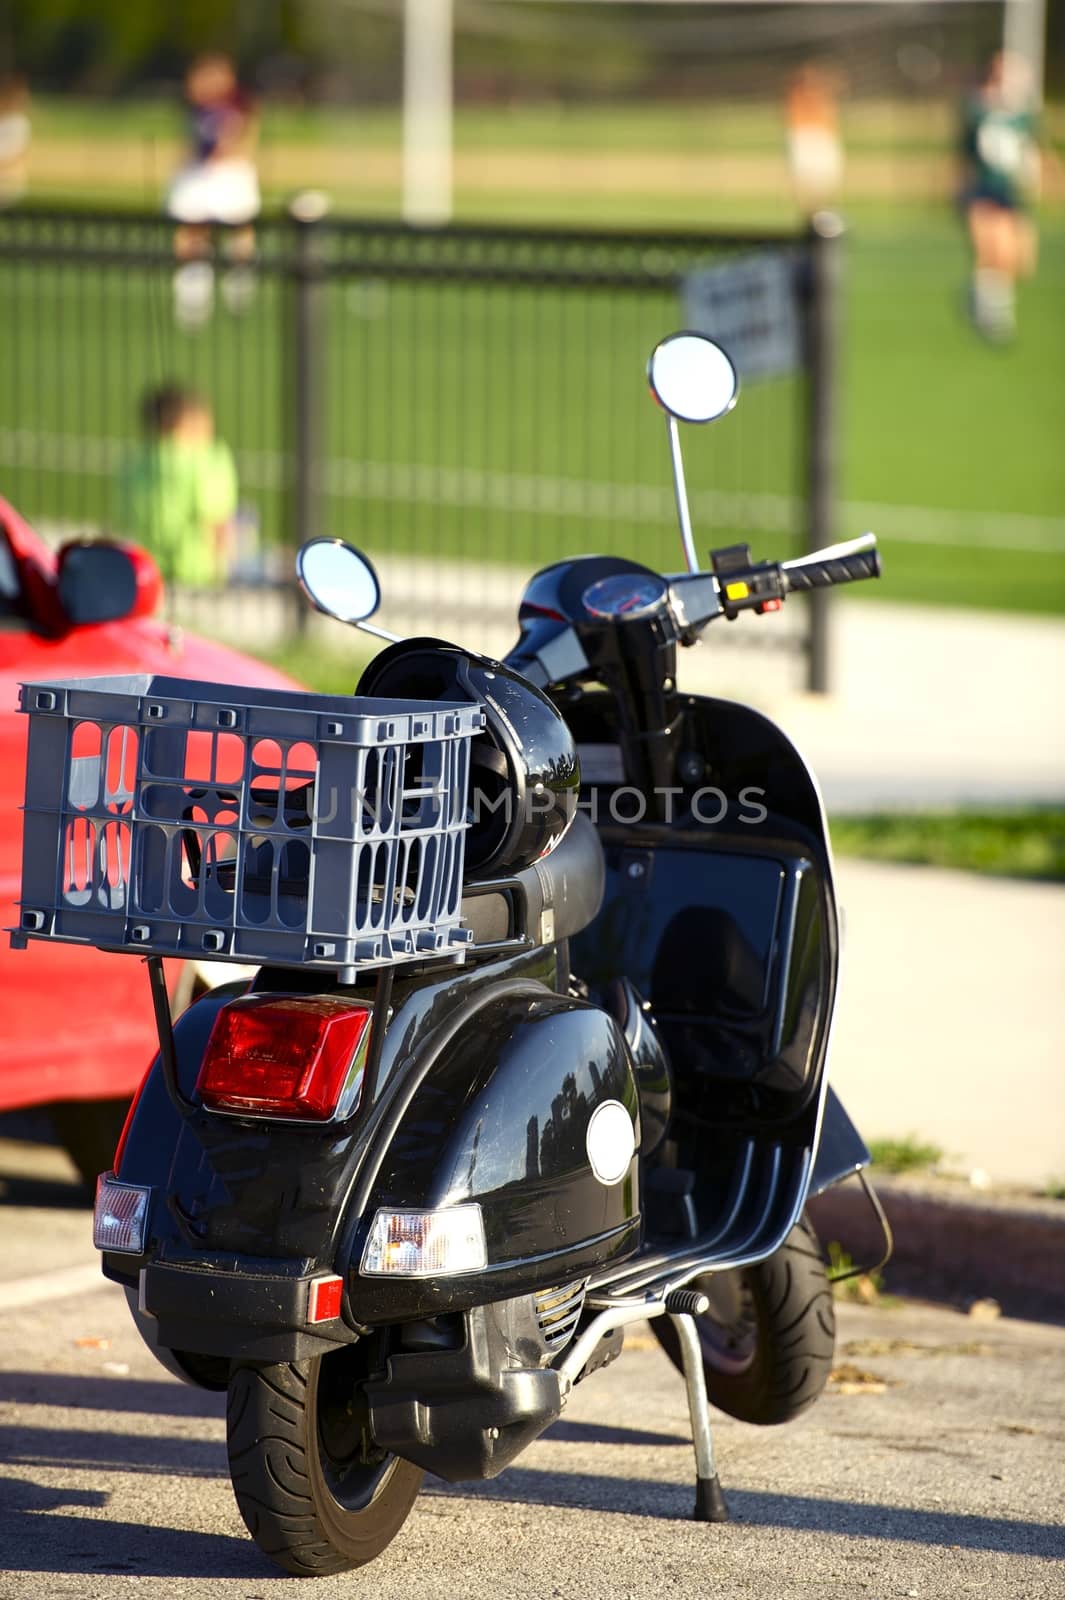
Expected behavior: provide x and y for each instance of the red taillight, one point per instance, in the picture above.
(290, 1056)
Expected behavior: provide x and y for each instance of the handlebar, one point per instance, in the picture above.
(746, 585)
(558, 637)
(841, 563)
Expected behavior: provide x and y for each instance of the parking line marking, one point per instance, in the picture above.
(52, 1286)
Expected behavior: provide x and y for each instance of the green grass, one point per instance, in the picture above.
(854, 1286)
(327, 671)
(904, 1155)
(742, 124)
(1019, 844)
(921, 394)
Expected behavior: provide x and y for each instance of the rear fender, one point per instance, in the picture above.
(502, 1120)
(153, 1137)
(245, 1213)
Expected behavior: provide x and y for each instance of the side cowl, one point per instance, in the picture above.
(503, 1120)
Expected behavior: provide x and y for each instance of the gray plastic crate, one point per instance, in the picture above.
(170, 817)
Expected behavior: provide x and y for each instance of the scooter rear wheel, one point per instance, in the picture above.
(769, 1336)
(317, 1495)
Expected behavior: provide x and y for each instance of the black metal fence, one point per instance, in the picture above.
(465, 403)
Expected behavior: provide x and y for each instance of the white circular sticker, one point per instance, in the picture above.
(611, 1140)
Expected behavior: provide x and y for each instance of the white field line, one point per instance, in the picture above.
(60, 1285)
(576, 499)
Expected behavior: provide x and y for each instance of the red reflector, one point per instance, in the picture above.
(323, 1302)
(287, 1056)
(770, 605)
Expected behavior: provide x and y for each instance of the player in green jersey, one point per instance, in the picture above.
(1001, 156)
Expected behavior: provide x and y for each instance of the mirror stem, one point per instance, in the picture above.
(680, 489)
(379, 633)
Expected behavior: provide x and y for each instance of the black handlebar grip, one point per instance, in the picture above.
(838, 569)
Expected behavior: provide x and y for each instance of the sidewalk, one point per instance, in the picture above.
(949, 1018)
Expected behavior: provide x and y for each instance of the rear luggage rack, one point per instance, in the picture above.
(170, 817)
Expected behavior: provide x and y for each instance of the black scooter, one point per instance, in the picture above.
(404, 1190)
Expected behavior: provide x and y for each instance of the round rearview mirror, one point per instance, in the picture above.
(338, 579)
(692, 378)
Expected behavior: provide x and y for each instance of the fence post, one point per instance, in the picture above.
(306, 381)
(822, 339)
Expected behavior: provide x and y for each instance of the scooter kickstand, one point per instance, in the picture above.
(683, 1305)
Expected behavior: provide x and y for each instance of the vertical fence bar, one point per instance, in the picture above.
(304, 437)
(822, 336)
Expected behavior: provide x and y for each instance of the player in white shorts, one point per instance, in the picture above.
(218, 185)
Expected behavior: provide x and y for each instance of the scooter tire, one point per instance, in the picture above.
(773, 1362)
(286, 1486)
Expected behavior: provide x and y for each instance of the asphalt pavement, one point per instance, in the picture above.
(932, 1467)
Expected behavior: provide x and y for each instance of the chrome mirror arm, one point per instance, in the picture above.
(378, 633)
(680, 490)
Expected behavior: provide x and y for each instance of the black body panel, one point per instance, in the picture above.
(719, 908)
(244, 1211)
(503, 1117)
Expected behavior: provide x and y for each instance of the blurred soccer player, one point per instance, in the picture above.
(14, 138)
(1001, 156)
(218, 184)
(815, 149)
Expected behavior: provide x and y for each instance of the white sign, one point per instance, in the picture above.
(750, 307)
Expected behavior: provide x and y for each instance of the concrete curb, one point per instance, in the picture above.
(954, 1247)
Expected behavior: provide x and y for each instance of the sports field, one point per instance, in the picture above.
(445, 404)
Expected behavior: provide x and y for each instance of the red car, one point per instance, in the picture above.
(76, 1027)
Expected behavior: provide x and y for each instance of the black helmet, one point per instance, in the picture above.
(525, 777)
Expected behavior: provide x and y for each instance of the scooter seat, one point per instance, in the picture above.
(563, 892)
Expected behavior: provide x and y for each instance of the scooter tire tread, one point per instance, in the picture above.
(271, 1431)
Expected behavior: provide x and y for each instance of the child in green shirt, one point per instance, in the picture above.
(178, 493)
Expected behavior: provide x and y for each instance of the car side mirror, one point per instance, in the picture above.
(106, 582)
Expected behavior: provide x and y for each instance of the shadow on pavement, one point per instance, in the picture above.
(50, 1194)
(88, 1450)
(802, 1513)
(33, 1169)
(604, 1433)
(37, 1537)
(79, 1392)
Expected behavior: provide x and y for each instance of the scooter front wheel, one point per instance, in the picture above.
(317, 1495)
(769, 1335)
